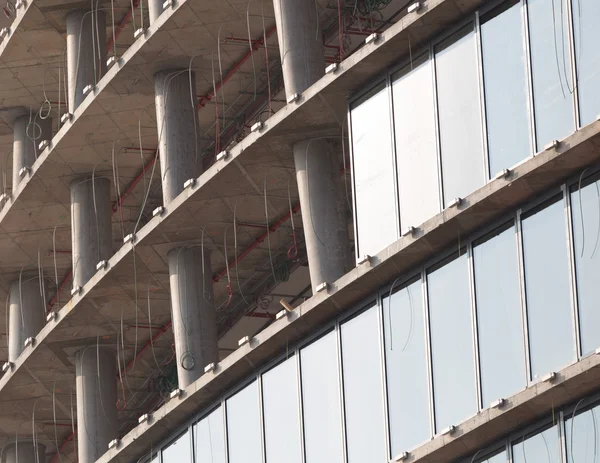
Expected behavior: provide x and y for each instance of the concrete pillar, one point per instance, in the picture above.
(96, 386)
(194, 315)
(178, 131)
(91, 229)
(300, 44)
(29, 131)
(86, 52)
(27, 313)
(317, 172)
(323, 211)
(155, 9)
(24, 452)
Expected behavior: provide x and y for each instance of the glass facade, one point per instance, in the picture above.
(494, 91)
(438, 345)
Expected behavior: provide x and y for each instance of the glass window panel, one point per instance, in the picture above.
(543, 447)
(585, 206)
(586, 16)
(498, 458)
(550, 67)
(321, 401)
(178, 451)
(460, 115)
(363, 390)
(581, 435)
(374, 173)
(546, 261)
(454, 393)
(406, 368)
(209, 438)
(501, 349)
(505, 80)
(416, 151)
(281, 414)
(243, 426)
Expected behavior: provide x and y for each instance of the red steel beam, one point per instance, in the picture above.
(69, 438)
(146, 346)
(119, 202)
(122, 25)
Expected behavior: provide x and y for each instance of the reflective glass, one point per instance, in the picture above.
(586, 16)
(498, 458)
(585, 206)
(454, 392)
(406, 368)
(374, 173)
(551, 71)
(460, 115)
(178, 451)
(363, 390)
(321, 401)
(243, 426)
(501, 345)
(416, 151)
(281, 413)
(505, 84)
(209, 438)
(546, 261)
(582, 438)
(543, 447)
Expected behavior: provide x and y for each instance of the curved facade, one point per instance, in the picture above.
(466, 330)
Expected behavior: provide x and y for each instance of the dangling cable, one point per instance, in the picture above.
(151, 333)
(228, 287)
(251, 48)
(221, 72)
(268, 231)
(267, 59)
(293, 250)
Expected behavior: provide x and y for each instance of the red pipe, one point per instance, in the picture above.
(255, 46)
(63, 445)
(256, 242)
(61, 286)
(119, 202)
(122, 25)
(146, 346)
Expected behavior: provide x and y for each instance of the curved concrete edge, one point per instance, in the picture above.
(524, 182)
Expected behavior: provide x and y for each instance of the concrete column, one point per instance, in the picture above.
(27, 313)
(323, 211)
(86, 52)
(155, 9)
(96, 386)
(24, 452)
(29, 131)
(300, 44)
(91, 229)
(317, 172)
(178, 131)
(194, 315)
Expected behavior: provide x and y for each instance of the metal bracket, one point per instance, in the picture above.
(43, 144)
(244, 340)
(373, 38)
(414, 7)
(51, 317)
(293, 98)
(128, 238)
(103, 264)
(457, 202)
(4, 32)
(66, 117)
(552, 145)
(88, 89)
(403, 456)
(75, 290)
(257, 127)
(366, 259)
(145, 417)
(448, 431)
(502, 174)
(160, 210)
(331, 68)
(175, 393)
(139, 32)
(24, 170)
(30, 341)
(210, 367)
(110, 61)
(7, 366)
(498, 403)
(223, 155)
(322, 287)
(113, 443)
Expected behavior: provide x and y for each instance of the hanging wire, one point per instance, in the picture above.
(269, 231)
(251, 48)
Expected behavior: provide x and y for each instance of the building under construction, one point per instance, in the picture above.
(300, 231)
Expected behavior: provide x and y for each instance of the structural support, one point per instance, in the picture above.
(96, 386)
(317, 169)
(24, 451)
(194, 315)
(27, 312)
(300, 44)
(178, 132)
(323, 211)
(155, 9)
(91, 229)
(86, 52)
(29, 131)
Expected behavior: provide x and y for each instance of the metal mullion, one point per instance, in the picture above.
(529, 74)
(338, 334)
(300, 404)
(388, 83)
(523, 296)
(225, 430)
(352, 182)
(261, 411)
(572, 273)
(382, 358)
(427, 324)
(573, 63)
(562, 436)
(436, 115)
(486, 156)
(474, 326)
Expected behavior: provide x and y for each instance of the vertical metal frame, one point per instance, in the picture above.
(561, 436)
(300, 404)
(487, 175)
(572, 63)
(571, 268)
(353, 183)
(436, 115)
(261, 411)
(388, 84)
(225, 429)
(383, 370)
(474, 326)
(427, 325)
(523, 291)
(338, 333)
(529, 76)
